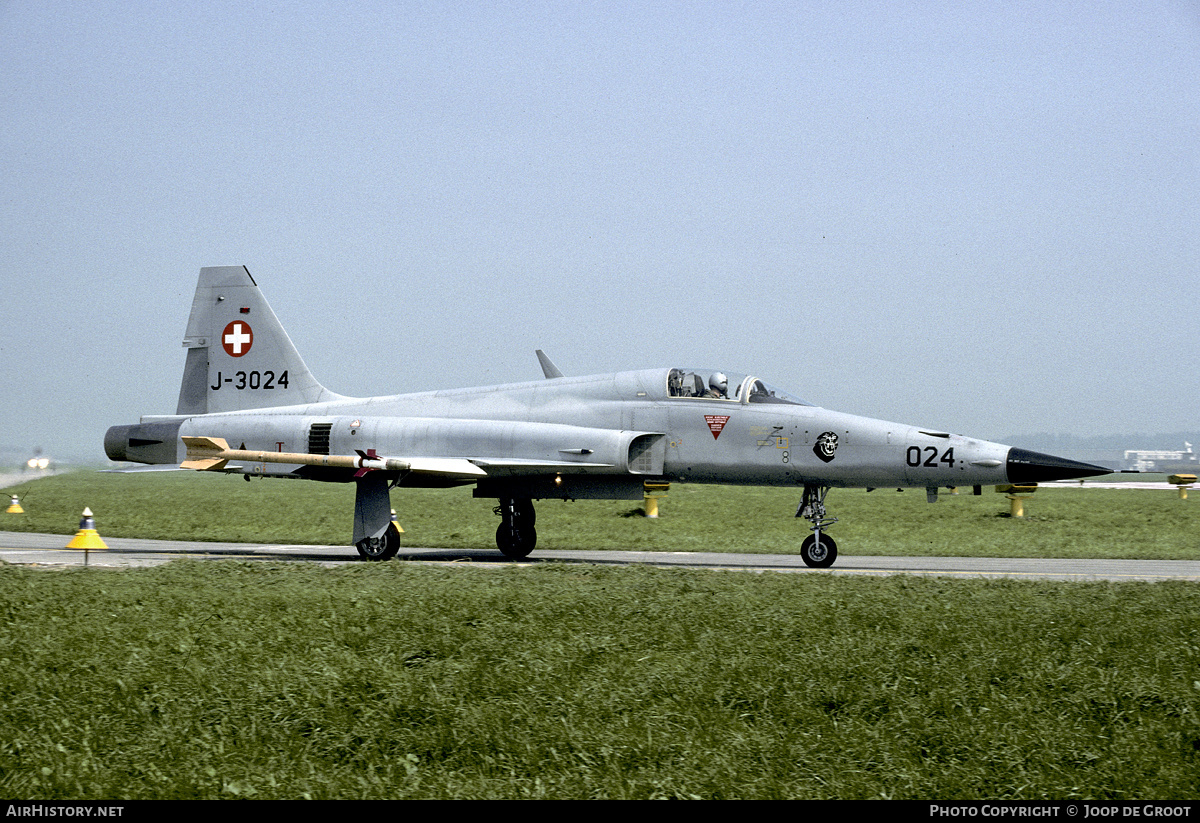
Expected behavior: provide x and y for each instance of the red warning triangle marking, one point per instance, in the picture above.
(716, 422)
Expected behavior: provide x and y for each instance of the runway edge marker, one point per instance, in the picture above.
(87, 537)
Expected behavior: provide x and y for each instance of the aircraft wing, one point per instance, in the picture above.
(449, 467)
(518, 466)
(141, 469)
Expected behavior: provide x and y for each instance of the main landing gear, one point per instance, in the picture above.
(818, 550)
(383, 547)
(375, 535)
(516, 535)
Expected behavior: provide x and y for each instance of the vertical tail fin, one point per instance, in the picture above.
(239, 356)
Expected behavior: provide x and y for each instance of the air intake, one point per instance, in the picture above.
(318, 438)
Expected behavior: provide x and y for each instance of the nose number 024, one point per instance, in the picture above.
(928, 457)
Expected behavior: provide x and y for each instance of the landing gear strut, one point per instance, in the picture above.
(516, 535)
(818, 550)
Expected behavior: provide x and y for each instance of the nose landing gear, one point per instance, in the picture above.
(818, 550)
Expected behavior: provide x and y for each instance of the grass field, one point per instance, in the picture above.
(238, 679)
(402, 680)
(1060, 522)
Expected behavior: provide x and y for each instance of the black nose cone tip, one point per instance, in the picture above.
(1025, 466)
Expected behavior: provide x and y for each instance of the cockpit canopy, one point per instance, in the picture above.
(742, 388)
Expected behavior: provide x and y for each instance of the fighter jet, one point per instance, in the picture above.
(249, 405)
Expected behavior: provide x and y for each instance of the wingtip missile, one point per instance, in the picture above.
(214, 454)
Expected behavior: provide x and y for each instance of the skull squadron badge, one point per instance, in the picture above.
(826, 446)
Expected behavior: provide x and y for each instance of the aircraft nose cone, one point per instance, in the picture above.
(1025, 466)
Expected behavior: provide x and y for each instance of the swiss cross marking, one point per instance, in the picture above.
(716, 422)
(237, 338)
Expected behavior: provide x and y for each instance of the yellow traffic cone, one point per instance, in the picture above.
(396, 522)
(15, 508)
(87, 537)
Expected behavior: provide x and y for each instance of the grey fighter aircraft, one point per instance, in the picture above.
(248, 405)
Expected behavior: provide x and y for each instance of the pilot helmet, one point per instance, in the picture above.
(719, 382)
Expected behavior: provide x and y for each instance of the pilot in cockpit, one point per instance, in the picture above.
(718, 386)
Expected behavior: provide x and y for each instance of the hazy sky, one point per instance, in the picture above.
(977, 216)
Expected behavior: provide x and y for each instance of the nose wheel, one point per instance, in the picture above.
(818, 550)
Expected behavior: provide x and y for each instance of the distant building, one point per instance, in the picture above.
(1162, 461)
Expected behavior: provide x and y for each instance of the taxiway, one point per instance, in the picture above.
(47, 550)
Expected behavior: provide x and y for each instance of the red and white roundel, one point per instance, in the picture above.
(237, 338)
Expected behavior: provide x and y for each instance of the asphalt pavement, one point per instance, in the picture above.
(49, 550)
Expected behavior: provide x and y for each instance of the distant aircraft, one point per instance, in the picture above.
(39, 462)
(248, 405)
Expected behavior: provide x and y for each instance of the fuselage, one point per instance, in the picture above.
(627, 423)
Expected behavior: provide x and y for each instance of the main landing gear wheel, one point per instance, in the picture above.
(383, 547)
(516, 535)
(818, 551)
